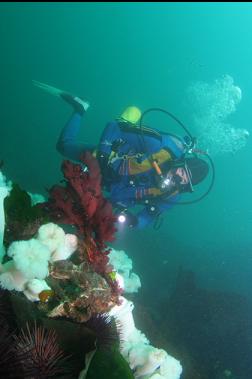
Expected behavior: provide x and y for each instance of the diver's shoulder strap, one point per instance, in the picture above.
(127, 127)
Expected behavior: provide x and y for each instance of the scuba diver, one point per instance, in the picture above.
(144, 171)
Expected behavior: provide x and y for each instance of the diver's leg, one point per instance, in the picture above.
(79, 105)
(67, 145)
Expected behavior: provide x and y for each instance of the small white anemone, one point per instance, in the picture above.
(65, 250)
(51, 235)
(30, 257)
(170, 368)
(11, 278)
(132, 283)
(150, 359)
(120, 261)
(156, 376)
(34, 287)
(123, 265)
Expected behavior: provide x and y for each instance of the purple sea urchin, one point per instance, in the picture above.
(104, 329)
(10, 364)
(44, 358)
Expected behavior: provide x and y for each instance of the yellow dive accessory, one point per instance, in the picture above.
(131, 114)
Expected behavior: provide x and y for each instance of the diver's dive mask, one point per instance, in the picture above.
(172, 181)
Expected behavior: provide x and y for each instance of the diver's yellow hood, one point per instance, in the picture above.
(131, 114)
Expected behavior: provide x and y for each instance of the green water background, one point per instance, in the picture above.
(147, 54)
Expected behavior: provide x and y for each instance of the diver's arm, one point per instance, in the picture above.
(150, 213)
(128, 196)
